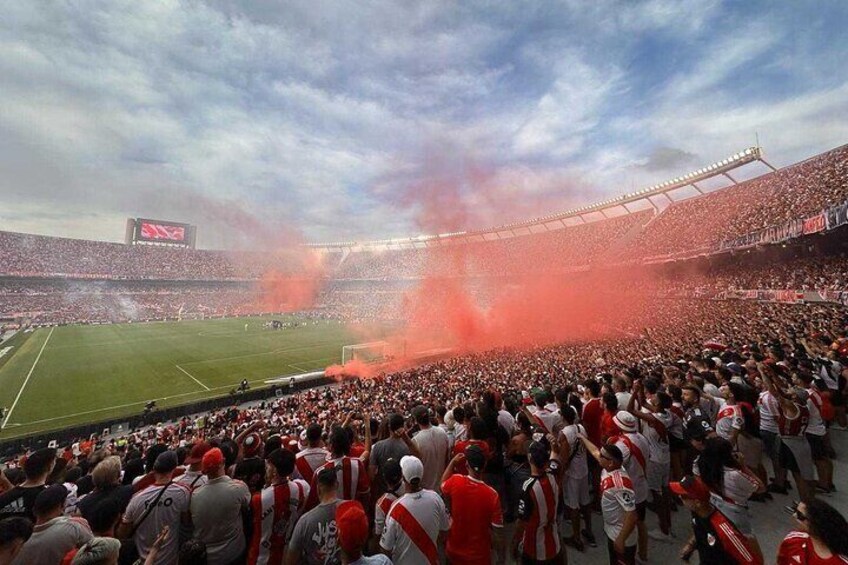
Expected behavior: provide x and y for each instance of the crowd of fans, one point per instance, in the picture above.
(439, 461)
(702, 223)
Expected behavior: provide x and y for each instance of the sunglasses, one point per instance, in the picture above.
(795, 513)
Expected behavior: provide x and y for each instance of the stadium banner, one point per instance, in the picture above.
(815, 224)
(837, 216)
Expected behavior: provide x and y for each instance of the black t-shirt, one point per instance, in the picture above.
(122, 494)
(252, 472)
(18, 502)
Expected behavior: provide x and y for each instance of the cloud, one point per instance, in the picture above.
(313, 118)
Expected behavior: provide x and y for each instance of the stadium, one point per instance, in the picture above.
(613, 375)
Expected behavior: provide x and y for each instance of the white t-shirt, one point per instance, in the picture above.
(169, 509)
(658, 441)
(623, 399)
(422, 511)
(506, 421)
(434, 445)
(632, 465)
(578, 467)
(816, 424)
(769, 410)
(617, 498)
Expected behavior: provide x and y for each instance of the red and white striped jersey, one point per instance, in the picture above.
(352, 476)
(307, 462)
(729, 418)
(793, 426)
(412, 528)
(275, 511)
(617, 499)
(381, 510)
(538, 509)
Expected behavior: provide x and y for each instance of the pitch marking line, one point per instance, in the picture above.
(189, 375)
(26, 380)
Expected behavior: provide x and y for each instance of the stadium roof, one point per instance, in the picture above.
(718, 168)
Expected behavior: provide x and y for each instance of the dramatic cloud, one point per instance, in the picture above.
(315, 119)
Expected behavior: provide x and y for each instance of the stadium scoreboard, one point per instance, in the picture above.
(160, 232)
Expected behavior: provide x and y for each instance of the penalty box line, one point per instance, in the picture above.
(189, 375)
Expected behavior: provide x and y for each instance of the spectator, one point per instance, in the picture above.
(314, 539)
(217, 509)
(475, 509)
(54, 534)
(433, 446)
(163, 504)
(107, 486)
(415, 521)
(19, 501)
(536, 538)
(352, 526)
(14, 533)
(820, 538)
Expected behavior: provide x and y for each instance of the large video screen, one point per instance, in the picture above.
(157, 231)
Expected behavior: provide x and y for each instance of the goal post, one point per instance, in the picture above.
(371, 352)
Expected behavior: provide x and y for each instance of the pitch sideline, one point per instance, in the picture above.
(26, 380)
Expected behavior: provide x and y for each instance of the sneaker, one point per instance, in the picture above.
(659, 536)
(778, 489)
(589, 537)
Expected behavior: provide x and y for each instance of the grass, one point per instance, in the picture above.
(91, 373)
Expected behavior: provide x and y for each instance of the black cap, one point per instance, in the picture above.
(475, 458)
(49, 499)
(698, 428)
(166, 462)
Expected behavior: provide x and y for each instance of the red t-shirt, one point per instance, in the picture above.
(593, 411)
(475, 508)
(460, 447)
(608, 427)
(797, 549)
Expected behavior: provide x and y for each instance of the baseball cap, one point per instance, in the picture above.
(252, 445)
(691, 487)
(97, 550)
(625, 421)
(165, 462)
(412, 468)
(352, 526)
(698, 428)
(197, 452)
(211, 459)
(475, 458)
(49, 499)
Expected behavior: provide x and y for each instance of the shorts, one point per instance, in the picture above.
(629, 557)
(817, 447)
(641, 510)
(771, 443)
(576, 492)
(658, 476)
(795, 455)
(751, 449)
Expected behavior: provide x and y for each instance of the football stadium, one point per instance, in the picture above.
(319, 342)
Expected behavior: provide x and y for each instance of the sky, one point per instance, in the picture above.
(339, 121)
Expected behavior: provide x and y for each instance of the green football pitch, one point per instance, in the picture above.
(54, 378)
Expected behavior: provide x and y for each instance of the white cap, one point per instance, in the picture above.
(625, 421)
(412, 468)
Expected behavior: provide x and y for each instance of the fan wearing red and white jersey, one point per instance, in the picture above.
(656, 419)
(393, 479)
(536, 539)
(816, 432)
(730, 422)
(312, 457)
(275, 510)
(820, 539)
(618, 503)
(352, 473)
(415, 520)
(635, 451)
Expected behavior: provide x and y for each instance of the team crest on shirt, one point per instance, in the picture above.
(710, 539)
(627, 498)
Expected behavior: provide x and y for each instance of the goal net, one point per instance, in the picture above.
(372, 352)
